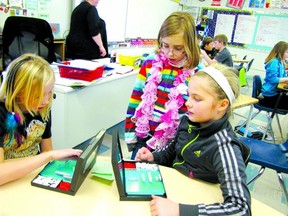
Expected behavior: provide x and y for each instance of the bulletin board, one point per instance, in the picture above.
(247, 29)
(224, 21)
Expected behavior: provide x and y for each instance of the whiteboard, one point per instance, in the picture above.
(224, 25)
(271, 29)
(133, 18)
(115, 18)
(244, 30)
(145, 17)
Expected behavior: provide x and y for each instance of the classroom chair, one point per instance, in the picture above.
(239, 66)
(27, 35)
(243, 71)
(268, 155)
(256, 91)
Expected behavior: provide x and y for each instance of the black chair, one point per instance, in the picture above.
(27, 35)
(256, 91)
(268, 155)
(249, 65)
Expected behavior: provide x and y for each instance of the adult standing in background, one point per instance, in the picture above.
(87, 38)
(275, 74)
(224, 55)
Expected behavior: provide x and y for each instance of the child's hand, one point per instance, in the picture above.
(65, 153)
(144, 154)
(160, 206)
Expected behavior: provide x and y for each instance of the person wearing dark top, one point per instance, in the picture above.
(223, 56)
(87, 38)
(208, 46)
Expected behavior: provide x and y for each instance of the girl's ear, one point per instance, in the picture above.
(224, 104)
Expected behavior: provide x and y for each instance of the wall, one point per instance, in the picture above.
(133, 18)
(57, 11)
(257, 54)
(141, 18)
(145, 17)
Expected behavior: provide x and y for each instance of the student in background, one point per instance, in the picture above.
(275, 74)
(25, 121)
(208, 47)
(199, 39)
(206, 146)
(87, 38)
(223, 56)
(159, 95)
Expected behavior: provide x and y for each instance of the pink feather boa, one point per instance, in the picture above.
(170, 120)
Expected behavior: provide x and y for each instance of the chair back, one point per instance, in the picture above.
(27, 35)
(249, 65)
(240, 66)
(257, 86)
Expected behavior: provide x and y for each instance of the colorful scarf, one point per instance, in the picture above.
(170, 120)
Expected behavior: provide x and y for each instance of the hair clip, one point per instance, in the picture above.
(11, 123)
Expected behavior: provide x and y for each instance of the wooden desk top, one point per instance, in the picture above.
(240, 60)
(281, 86)
(100, 197)
(244, 100)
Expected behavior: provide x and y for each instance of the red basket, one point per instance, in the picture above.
(81, 74)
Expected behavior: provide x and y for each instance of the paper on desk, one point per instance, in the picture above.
(119, 69)
(82, 64)
(124, 69)
(103, 169)
(72, 82)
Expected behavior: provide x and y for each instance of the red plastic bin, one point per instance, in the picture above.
(67, 71)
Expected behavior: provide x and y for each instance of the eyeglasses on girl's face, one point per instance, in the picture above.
(176, 50)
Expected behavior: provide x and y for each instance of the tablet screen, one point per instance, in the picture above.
(143, 179)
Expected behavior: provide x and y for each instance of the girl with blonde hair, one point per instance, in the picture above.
(25, 118)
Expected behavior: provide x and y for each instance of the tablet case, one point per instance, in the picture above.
(136, 181)
(66, 176)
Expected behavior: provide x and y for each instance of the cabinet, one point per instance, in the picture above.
(59, 47)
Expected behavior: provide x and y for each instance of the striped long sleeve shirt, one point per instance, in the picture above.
(168, 76)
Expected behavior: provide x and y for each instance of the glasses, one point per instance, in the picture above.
(177, 50)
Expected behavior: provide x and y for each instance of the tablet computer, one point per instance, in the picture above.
(66, 176)
(135, 180)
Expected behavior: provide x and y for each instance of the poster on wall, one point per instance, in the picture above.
(3, 3)
(237, 4)
(256, 3)
(284, 4)
(16, 4)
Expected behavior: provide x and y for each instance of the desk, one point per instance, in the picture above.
(95, 197)
(245, 100)
(77, 114)
(59, 47)
(280, 86)
(240, 60)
